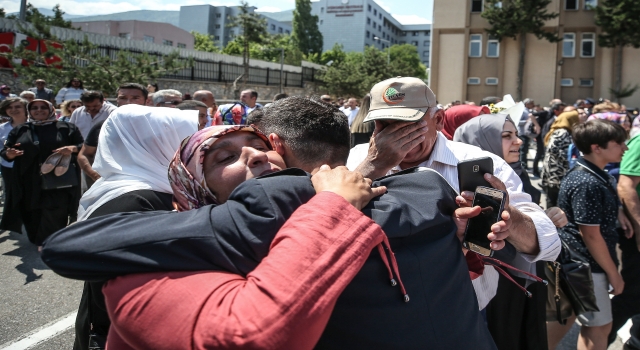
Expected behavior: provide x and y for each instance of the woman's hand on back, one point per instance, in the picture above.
(351, 185)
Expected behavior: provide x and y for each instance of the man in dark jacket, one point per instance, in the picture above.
(434, 295)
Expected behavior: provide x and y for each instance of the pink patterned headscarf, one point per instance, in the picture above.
(186, 171)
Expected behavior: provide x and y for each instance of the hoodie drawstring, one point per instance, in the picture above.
(381, 249)
(497, 264)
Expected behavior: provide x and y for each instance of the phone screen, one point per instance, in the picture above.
(490, 202)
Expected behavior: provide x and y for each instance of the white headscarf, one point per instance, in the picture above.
(135, 147)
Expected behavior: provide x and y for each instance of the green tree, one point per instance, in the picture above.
(515, 19)
(618, 20)
(253, 29)
(2, 13)
(405, 62)
(306, 34)
(87, 62)
(36, 17)
(204, 42)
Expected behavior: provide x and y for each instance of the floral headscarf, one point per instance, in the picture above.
(615, 117)
(186, 170)
(50, 119)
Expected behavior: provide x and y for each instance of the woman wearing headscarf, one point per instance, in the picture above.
(458, 115)
(514, 320)
(41, 146)
(135, 147)
(555, 164)
(15, 109)
(361, 132)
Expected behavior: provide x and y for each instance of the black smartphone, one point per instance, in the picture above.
(471, 173)
(491, 202)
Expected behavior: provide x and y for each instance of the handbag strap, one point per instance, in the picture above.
(34, 135)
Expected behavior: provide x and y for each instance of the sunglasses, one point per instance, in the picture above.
(175, 103)
(43, 108)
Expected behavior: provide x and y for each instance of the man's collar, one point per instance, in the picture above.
(594, 168)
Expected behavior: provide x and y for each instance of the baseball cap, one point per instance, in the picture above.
(401, 98)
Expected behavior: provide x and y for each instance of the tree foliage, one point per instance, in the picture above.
(89, 63)
(306, 34)
(515, 19)
(355, 73)
(253, 30)
(268, 49)
(35, 16)
(204, 42)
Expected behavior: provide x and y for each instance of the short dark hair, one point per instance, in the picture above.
(255, 117)
(10, 100)
(316, 132)
(253, 93)
(134, 86)
(597, 132)
(280, 96)
(489, 100)
(71, 81)
(558, 106)
(190, 105)
(91, 95)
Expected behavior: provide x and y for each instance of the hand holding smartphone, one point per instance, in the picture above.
(491, 202)
(471, 173)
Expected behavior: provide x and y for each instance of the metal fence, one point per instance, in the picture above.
(219, 71)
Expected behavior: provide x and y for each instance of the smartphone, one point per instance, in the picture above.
(491, 202)
(471, 173)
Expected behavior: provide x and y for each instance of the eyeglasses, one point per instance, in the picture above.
(74, 106)
(175, 103)
(43, 108)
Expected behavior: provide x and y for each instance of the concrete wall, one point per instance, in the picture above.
(137, 30)
(451, 79)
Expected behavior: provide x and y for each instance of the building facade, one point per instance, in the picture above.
(467, 64)
(153, 32)
(214, 20)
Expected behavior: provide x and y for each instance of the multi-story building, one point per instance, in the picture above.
(214, 20)
(356, 24)
(154, 32)
(468, 64)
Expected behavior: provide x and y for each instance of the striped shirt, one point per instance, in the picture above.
(444, 159)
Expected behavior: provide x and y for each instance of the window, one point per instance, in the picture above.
(426, 43)
(402, 42)
(590, 4)
(218, 15)
(368, 20)
(279, 29)
(322, 10)
(475, 45)
(273, 27)
(288, 31)
(403, 34)
(217, 26)
(182, 46)
(427, 33)
(321, 21)
(167, 42)
(415, 33)
(586, 82)
(476, 6)
(148, 38)
(473, 81)
(491, 81)
(375, 12)
(569, 45)
(566, 82)
(367, 34)
(587, 46)
(414, 43)
(125, 35)
(379, 27)
(380, 16)
(571, 4)
(493, 47)
(425, 53)
(369, 8)
(217, 37)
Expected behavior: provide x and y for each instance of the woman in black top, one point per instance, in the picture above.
(42, 211)
(136, 144)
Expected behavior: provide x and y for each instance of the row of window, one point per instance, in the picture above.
(475, 46)
(487, 81)
(571, 5)
(151, 39)
(280, 30)
(581, 82)
(587, 45)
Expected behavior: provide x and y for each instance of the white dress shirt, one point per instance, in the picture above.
(444, 159)
(351, 114)
(83, 120)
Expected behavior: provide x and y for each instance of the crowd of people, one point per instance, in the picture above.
(288, 225)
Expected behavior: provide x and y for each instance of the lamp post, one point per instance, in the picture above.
(388, 49)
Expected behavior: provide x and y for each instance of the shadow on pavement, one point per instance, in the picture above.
(28, 254)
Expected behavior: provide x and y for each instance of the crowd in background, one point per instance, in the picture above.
(74, 156)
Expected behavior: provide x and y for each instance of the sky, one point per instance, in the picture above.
(405, 11)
